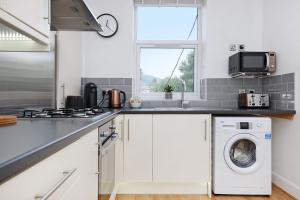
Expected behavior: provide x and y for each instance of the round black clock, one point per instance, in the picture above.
(109, 25)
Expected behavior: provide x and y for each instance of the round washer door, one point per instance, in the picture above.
(243, 153)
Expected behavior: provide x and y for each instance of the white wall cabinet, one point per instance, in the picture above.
(138, 148)
(30, 17)
(79, 159)
(181, 148)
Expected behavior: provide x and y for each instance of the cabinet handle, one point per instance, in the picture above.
(67, 175)
(128, 129)
(205, 129)
(122, 130)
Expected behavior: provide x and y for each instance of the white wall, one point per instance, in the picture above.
(112, 57)
(226, 22)
(281, 33)
(69, 64)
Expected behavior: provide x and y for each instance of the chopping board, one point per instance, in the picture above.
(7, 120)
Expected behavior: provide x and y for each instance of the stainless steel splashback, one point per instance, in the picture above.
(27, 79)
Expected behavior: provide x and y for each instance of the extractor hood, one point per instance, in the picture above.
(72, 15)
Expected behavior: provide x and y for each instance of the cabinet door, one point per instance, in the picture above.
(119, 149)
(34, 13)
(85, 185)
(181, 148)
(138, 148)
(79, 159)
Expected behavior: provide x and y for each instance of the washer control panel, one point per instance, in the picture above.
(244, 125)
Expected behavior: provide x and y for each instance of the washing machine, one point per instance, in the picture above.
(242, 155)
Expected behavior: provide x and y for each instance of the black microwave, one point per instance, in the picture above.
(252, 63)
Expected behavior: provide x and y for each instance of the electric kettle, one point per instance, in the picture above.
(115, 98)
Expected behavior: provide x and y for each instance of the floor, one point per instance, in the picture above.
(278, 194)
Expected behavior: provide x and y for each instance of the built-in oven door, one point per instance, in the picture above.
(107, 167)
(254, 61)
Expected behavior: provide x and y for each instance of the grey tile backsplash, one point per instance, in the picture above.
(224, 91)
(216, 92)
(282, 91)
(124, 84)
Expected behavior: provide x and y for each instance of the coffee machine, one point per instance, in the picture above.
(90, 95)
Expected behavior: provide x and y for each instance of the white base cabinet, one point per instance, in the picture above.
(69, 174)
(181, 148)
(165, 154)
(138, 148)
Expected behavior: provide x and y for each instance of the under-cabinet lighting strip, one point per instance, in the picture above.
(9, 34)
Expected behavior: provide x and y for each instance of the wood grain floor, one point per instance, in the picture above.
(277, 194)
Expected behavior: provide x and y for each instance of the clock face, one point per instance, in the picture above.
(109, 25)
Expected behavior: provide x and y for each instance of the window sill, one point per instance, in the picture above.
(176, 97)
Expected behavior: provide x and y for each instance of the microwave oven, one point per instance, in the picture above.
(252, 63)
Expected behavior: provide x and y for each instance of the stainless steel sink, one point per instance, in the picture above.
(189, 108)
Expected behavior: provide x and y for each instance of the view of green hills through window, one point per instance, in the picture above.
(155, 74)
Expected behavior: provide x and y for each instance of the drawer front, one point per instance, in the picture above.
(57, 174)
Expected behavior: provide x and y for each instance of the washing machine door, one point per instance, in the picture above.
(244, 154)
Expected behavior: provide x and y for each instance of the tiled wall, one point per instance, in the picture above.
(282, 91)
(224, 91)
(215, 92)
(124, 84)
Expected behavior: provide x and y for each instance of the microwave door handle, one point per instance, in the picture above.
(268, 61)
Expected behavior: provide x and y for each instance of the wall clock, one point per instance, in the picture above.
(109, 25)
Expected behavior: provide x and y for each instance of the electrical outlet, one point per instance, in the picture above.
(251, 91)
(241, 91)
(287, 96)
(232, 47)
(104, 92)
(241, 47)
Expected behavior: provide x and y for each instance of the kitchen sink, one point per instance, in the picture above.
(189, 108)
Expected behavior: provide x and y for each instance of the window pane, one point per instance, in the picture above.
(157, 64)
(166, 23)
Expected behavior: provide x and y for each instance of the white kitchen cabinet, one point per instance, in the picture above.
(30, 17)
(79, 159)
(181, 148)
(119, 149)
(138, 148)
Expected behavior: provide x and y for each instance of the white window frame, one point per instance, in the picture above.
(169, 44)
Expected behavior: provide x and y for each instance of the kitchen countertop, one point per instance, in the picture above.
(213, 111)
(31, 140)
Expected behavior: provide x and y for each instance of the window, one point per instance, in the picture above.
(167, 46)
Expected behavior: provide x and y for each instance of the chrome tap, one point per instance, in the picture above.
(182, 93)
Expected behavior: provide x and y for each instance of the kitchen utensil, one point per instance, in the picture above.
(115, 98)
(75, 102)
(90, 95)
(7, 120)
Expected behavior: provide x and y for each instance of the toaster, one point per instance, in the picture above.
(252, 100)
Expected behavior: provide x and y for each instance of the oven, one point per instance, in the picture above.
(107, 140)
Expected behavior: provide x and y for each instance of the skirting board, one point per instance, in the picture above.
(163, 188)
(286, 185)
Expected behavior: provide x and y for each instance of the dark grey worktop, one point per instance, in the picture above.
(213, 111)
(31, 140)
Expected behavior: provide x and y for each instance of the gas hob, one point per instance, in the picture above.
(63, 113)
